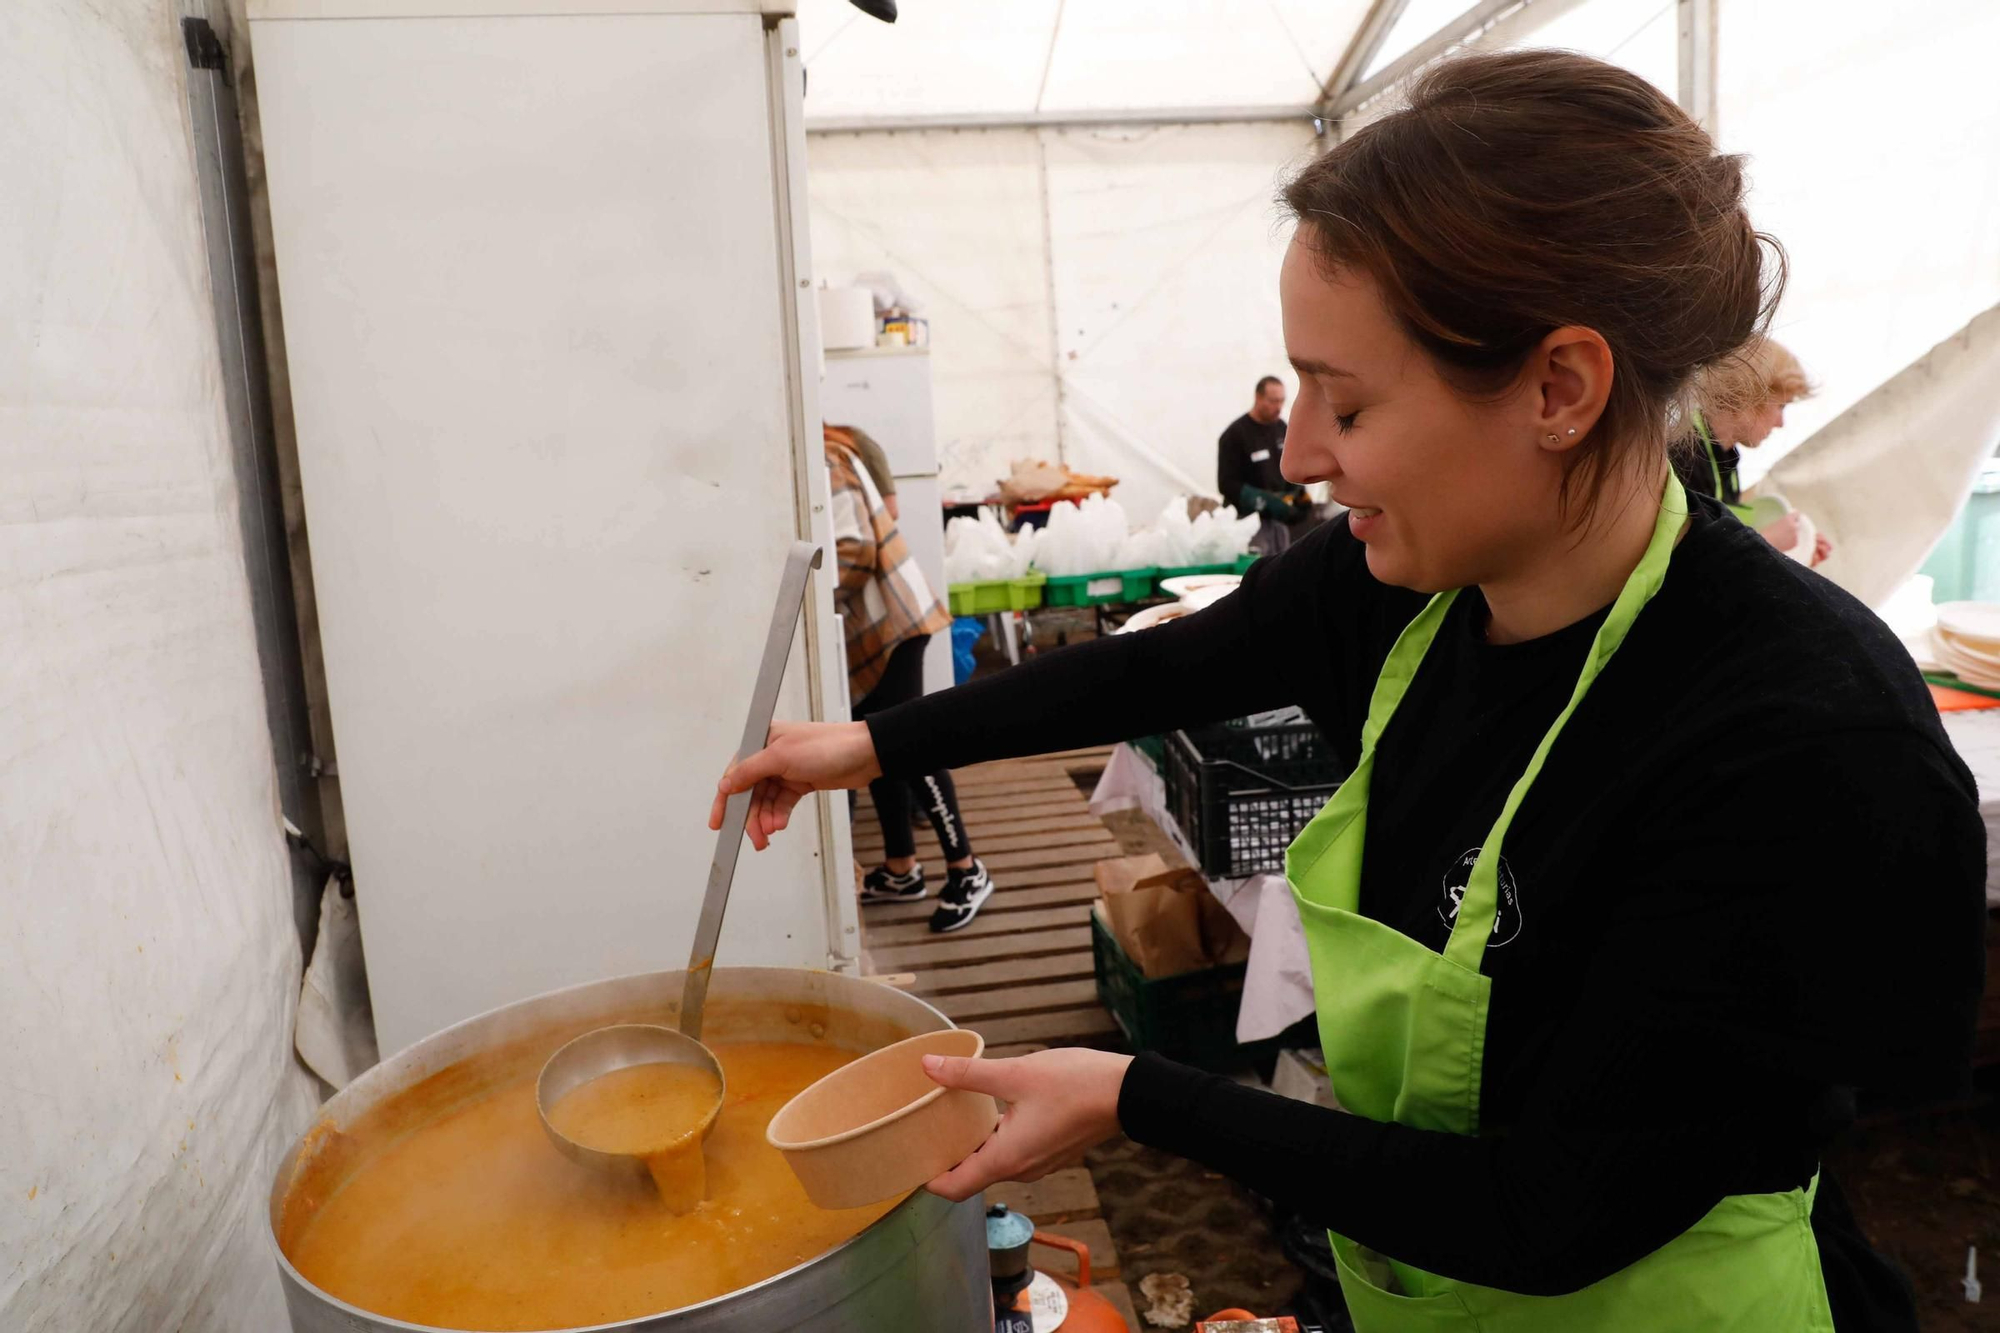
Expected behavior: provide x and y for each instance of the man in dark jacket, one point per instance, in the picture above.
(1246, 470)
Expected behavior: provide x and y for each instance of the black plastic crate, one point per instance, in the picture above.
(1241, 794)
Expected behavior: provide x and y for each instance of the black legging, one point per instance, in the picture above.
(902, 681)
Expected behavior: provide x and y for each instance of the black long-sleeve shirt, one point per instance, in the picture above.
(1698, 466)
(1749, 878)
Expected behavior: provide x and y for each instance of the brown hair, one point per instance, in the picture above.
(1523, 191)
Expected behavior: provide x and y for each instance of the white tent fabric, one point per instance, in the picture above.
(1166, 248)
(149, 965)
(1045, 55)
(1106, 297)
(1887, 476)
(1639, 35)
(1893, 223)
(958, 218)
(1874, 142)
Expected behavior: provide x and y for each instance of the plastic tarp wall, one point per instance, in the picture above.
(1889, 474)
(149, 967)
(957, 219)
(1166, 246)
(1103, 296)
(1874, 140)
(1107, 296)
(1052, 56)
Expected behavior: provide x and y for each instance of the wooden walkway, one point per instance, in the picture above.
(1021, 973)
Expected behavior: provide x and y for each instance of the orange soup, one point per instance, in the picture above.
(654, 1111)
(476, 1221)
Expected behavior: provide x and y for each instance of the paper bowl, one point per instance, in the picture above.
(1802, 549)
(879, 1127)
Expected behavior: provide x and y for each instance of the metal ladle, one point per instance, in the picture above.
(603, 1050)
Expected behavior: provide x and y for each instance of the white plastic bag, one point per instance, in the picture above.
(978, 549)
(1216, 537)
(1139, 550)
(1082, 539)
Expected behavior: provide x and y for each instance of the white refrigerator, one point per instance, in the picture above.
(886, 391)
(554, 361)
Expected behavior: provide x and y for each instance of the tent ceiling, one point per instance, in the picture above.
(953, 57)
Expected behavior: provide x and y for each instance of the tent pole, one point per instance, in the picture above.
(1697, 24)
(1061, 120)
(1368, 42)
(1049, 286)
(1460, 30)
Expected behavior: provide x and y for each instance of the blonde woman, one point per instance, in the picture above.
(1743, 399)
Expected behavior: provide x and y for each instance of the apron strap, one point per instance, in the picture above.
(1393, 681)
(1708, 452)
(1481, 904)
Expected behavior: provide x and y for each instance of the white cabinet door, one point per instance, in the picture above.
(545, 376)
(888, 394)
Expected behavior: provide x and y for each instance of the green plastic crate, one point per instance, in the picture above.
(990, 595)
(1028, 590)
(1162, 575)
(1190, 1018)
(1128, 585)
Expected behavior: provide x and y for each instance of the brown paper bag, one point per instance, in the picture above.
(1032, 479)
(1165, 918)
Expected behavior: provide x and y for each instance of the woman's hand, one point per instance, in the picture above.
(1822, 548)
(800, 757)
(1060, 1105)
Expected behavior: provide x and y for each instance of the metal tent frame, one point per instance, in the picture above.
(1348, 87)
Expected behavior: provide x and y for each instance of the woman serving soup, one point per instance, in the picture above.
(1590, 1039)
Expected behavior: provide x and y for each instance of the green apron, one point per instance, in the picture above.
(1404, 1032)
(1748, 513)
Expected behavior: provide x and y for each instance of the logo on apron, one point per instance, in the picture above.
(1506, 920)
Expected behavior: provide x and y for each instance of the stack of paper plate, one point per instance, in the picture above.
(1155, 615)
(1185, 585)
(1967, 642)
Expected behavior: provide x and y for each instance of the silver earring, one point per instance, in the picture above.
(1554, 440)
(1572, 430)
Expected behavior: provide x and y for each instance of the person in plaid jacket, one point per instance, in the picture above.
(890, 613)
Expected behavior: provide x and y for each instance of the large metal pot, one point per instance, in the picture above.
(920, 1269)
